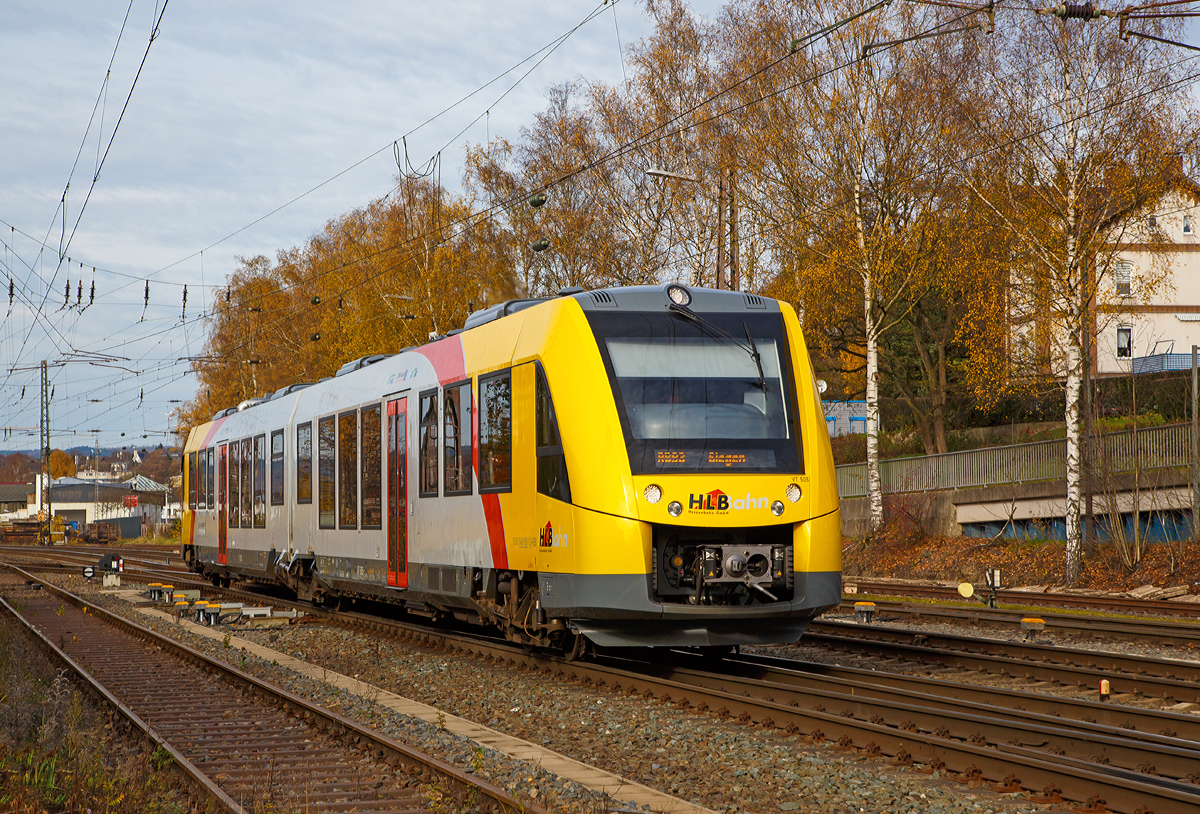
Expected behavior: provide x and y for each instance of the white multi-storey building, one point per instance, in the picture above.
(1149, 312)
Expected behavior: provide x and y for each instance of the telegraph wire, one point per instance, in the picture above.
(509, 202)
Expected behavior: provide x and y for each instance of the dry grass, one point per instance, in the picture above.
(1024, 562)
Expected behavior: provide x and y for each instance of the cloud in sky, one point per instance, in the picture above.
(241, 106)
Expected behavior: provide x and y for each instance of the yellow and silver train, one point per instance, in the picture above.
(643, 466)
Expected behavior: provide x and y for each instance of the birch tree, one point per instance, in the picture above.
(1074, 141)
(852, 141)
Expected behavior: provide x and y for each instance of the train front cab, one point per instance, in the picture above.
(685, 568)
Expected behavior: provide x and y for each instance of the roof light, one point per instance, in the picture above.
(679, 295)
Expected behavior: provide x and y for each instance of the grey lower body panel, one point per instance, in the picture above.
(618, 610)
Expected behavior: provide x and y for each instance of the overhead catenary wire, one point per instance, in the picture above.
(393, 247)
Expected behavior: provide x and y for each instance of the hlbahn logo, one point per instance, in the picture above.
(718, 501)
(550, 539)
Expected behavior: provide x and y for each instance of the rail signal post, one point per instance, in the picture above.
(45, 509)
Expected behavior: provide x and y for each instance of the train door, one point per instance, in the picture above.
(397, 492)
(520, 523)
(222, 509)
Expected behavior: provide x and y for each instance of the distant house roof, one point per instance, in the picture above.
(15, 492)
(67, 480)
(140, 483)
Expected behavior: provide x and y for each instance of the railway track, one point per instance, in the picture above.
(972, 739)
(1159, 631)
(1132, 759)
(1115, 604)
(1170, 679)
(238, 740)
(1145, 770)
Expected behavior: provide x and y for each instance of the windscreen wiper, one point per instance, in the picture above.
(721, 333)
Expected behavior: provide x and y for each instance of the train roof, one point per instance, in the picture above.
(630, 298)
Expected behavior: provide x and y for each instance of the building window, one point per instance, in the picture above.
(235, 484)
(456, 409)
(304, 463)
(1124, 278)
(260, 481)
(1187, 224)
(326, 486)
(348, 468)
(1124, 342)
(551, 460)
(372, 468)
(495, 432)
(429, 445)
(277, 468)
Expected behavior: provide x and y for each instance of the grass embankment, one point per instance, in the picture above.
(1023, 562)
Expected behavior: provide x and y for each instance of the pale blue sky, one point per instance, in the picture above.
(241, 106)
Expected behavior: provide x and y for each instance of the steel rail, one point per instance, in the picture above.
(1053, 775)
(1136, 629)
(1123, 789)
(1120, 604)
(393, 752)
(1134, 722)
(1172, 680)
(977, 721)
(1050, 775)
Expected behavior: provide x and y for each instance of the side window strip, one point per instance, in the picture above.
(428, 440)
(495, 432)
(552, 479)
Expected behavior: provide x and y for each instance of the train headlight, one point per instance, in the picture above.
(674, 508)
(652, 493)
(777, 508)
(679, 295)
(792, 492)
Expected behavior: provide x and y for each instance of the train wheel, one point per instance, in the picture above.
(578, 649)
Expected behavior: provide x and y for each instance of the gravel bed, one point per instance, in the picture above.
(723, 766)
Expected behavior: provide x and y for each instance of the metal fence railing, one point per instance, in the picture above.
(1157, 448)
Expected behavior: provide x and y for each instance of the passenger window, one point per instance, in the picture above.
(304, 463)
(210, 499)
(201, 476)
(456, 407)
(247, 484)
(326, 486)
(495, 432)
(552, 478)
(429, 445)
(191, 480)
(348, 468)
(260, 481)
(372, 469)
(277, 468)
(235, 484)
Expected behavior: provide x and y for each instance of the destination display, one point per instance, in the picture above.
(714, 458)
